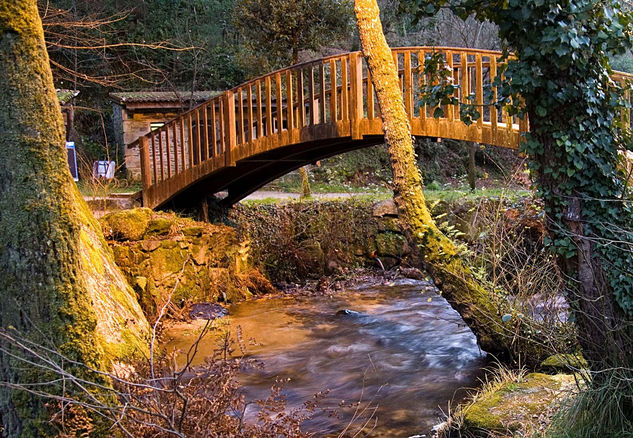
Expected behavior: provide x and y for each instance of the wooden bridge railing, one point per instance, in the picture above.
(328, 98)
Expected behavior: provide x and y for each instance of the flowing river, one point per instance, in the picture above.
(397, 348)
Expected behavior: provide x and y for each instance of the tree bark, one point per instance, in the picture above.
(60, 285)
(480, 308)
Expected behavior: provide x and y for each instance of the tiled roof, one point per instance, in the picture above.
(162, 96)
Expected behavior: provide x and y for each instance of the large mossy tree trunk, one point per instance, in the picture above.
(480, 308)
(60, 286)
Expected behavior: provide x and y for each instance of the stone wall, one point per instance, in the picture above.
(133, 126)
(175, 260)
(308, 240)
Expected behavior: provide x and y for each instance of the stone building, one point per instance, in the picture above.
(137, 113)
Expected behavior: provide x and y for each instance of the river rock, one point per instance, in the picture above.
(207, 311)
(347, 312)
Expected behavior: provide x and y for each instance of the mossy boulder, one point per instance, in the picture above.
(159, 226)
(126, 224)
(564, 363)
(514, 407)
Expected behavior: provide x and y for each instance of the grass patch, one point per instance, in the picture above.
(99, 188)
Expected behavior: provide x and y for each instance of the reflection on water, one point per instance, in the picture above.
(401, 347)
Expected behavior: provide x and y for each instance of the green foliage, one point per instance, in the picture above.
(278, 30)
(139, 39)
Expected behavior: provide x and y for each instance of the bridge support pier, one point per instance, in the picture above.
(212, 210)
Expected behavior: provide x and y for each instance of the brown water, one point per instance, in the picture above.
(402, 349)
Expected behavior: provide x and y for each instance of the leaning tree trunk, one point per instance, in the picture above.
(480, 308)
(60, 287)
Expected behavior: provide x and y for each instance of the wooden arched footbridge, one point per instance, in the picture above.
(264, 128)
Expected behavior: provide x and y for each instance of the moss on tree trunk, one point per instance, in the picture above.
(480, 308)
(59, 282)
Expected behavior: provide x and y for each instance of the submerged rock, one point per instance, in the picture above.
(207, 311)
(347, 312)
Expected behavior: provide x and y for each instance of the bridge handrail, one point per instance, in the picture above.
(313, 100)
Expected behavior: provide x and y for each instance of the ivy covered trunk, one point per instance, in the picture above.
(576, 133)
(590, 226)
(60, 287)
(480, 308)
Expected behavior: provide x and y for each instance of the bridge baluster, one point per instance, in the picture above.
(269, 112)
(249, 102)
(356, 94)
(322, 97)
(190, 138)
(301, 106)
(152, 136)
(230, 128)
(280, 112)
(450, 62)
(181, 128)
(464, 80)
(479, 89)
(333, 92)
(260, 125)
(222, 121)
(421, 82)
(145, 166)
(344, 91)
(214, 131)
(289, 101)
(494, 116)
(175, 142)
(240, 116)
(314, 119)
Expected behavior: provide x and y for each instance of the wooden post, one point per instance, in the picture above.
(229, 128)
(451, 108)
(356, 85)
(333, 85)
(494, 117)
(464, 85)
(146, 177)
(479, 89)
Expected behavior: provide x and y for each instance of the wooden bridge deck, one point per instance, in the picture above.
(264, 128)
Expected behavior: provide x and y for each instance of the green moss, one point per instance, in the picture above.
(127, 224)
(513, 405)
(192, 231)
(159, 227)
(564, 362)
(390, 244)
